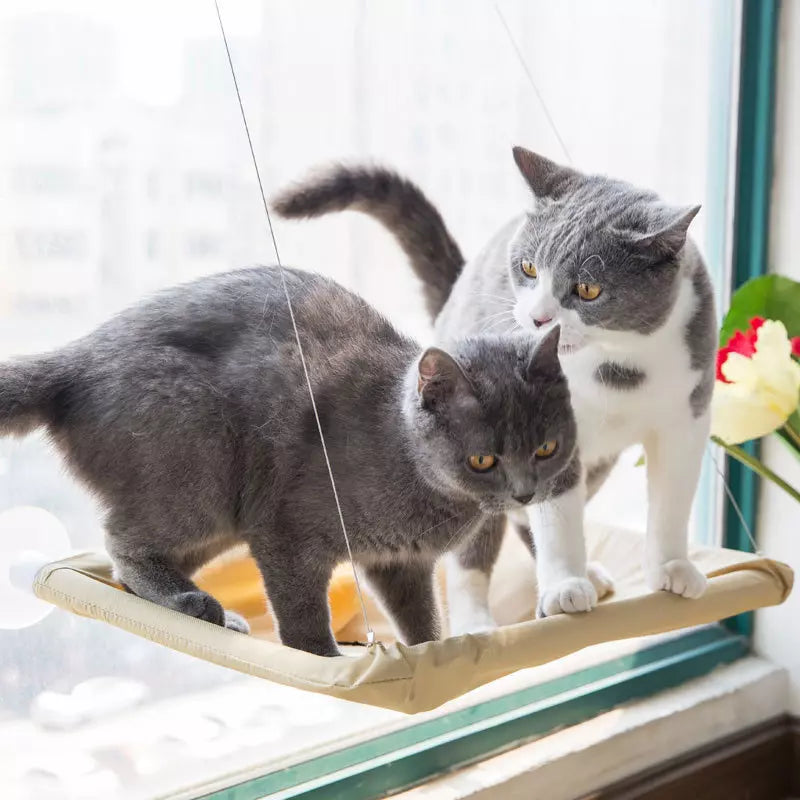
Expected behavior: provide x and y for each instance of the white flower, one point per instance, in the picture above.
(759, 391)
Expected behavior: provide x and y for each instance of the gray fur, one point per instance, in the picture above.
(480, 298)
(701, 338)
(585, 229)
(593, 229)
(395, 202)
(188, 416)
(567, 478)
(480, 551)
(618, 376)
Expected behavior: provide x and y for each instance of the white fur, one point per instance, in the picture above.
(537, 302)
(609, 419)
(657, 414)
(601, 579)
(560, 555)
(673, 467)
(467, 599)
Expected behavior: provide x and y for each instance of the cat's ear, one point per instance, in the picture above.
(440, 377)
(544, 361)
(670, 237)
(545, 177)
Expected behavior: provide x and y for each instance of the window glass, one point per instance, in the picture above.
(124, 168)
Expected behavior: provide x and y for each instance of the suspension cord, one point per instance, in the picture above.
(732, 499)
(534, 86)
(368, 627)
(554, 129)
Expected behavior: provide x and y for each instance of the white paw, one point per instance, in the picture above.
(568, 596)
(679, 577)
(601, 579)
(236, 622)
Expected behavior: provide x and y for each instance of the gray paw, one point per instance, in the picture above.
(236, 622)
(327, 652)
(317, 646)
(201, 605)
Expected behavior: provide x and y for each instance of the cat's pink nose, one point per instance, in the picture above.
(543, 321)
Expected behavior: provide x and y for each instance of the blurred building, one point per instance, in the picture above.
(103, 200)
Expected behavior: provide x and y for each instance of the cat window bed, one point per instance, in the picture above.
(422, 677)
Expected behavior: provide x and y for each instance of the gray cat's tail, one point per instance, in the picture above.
(31, 393)
(395, 202)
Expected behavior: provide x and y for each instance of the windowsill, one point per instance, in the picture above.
(356, 724)
(247, 729)
(586, 757)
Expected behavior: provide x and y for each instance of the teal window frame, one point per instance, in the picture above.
(403, 758)
(755, 136)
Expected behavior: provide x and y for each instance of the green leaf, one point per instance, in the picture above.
(770, 296)
(640, 460)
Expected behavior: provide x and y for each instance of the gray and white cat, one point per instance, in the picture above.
(189, 417)
(611, 264)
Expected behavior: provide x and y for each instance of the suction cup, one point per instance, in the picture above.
(30, 537)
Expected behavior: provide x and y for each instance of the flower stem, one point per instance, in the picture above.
(792, 434)
(757, 466)
(788, 442)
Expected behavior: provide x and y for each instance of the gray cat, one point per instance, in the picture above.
(189, 417)
(611, 264)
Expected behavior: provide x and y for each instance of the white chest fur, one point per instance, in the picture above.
(612, 417)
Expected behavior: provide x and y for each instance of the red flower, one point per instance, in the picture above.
(744, 342)
(795, 340)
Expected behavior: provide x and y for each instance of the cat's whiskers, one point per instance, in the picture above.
(492, 330)
(505, 311)
(589, 258)
(499, 298)
(514, 326)
(486, 320)
(439, 524)
(461, 528)
(496, 324)
(499, 315)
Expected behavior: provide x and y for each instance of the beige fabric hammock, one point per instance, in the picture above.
(419, 678)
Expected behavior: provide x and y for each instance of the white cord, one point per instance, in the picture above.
(532, 82)
(733, 502)
(370, 632)
(554, 129)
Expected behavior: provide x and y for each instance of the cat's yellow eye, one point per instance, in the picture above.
(529, 269)
(482, 463)
(588, 291)
(547, 449)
